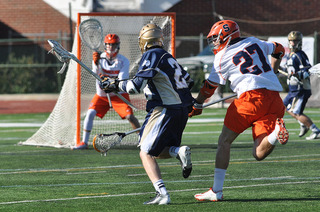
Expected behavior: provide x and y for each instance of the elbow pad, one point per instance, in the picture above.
(207, 89)
(279, 51)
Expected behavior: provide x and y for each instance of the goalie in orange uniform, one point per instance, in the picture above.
(244, 62)
(109, 64)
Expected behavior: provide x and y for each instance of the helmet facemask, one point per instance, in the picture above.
(112, 50)
(295, 41)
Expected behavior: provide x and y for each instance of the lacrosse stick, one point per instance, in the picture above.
(103, 142)
(314, 70)
(65, 56)
(91, 34)
(219, 100)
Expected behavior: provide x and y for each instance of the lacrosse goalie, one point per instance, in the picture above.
(297, 67)
(109, 64)
(167, 89)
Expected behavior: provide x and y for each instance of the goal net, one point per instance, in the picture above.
(63, 128)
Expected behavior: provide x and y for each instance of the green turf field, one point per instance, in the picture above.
(49, 179)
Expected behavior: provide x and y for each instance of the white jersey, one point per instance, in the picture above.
(245, 64)
(119, 68)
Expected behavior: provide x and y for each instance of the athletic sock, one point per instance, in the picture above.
(300, 123)
(86, 135)
(173, 151)
(160, 187)
(219, 175)
(314, 128)
(272, 137)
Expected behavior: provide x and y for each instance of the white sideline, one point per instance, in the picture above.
(170, 191)
(40, 124)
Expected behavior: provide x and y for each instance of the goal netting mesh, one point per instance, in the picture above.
(63, 128)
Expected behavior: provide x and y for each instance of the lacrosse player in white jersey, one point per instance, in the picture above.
(244, 62)
(166, 86)
(113, 65)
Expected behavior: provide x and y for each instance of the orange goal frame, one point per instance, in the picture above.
(173, 34)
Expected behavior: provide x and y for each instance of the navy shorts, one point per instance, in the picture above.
(295, 102)
(163, 127)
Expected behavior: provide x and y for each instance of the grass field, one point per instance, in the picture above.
(49, 179)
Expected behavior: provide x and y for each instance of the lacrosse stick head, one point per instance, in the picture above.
(103, 142)
(315, 70)
(62, 54)
(91, 33)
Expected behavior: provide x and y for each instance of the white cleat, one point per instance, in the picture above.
(160, 199)
(303, 130)
(209, 196)
(184, 156)
(314, 135)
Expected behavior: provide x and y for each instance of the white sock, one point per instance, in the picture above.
(300, 123)
(219, 175)
(85, 136)
(272, 137)
(173, 151)
(160, 187)
(314, 128)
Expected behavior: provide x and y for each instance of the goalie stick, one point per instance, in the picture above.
(103, 142)
(65, 56)
(91, 34)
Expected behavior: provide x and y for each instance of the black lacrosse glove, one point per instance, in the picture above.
(109, 84)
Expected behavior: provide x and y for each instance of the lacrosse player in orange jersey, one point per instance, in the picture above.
(244, 62)
(113, 65)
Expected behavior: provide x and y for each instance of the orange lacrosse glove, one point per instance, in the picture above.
(196, 109)
(96, 57)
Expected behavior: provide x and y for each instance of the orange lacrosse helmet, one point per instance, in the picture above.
(221, 33)
(112, 45)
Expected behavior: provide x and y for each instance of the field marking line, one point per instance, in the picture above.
(270, 159)
(145, 193)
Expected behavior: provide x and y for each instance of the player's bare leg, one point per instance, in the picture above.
(226, 138)
(262, 148)
(153, 171)
(133, 121)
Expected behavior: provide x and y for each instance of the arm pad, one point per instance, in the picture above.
(207, 89)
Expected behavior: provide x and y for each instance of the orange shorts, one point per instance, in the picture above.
(101, 105)
(258, 109)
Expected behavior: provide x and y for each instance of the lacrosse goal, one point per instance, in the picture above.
(63, 128)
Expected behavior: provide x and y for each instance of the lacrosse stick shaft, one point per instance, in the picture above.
(283, 72)
(132, 131)
(219, 100)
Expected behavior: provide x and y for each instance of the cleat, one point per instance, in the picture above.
(303, 130)
(184, 156)
(160, 199)
(282, 135)
(209, 196)
(82, 145)
(314, 135)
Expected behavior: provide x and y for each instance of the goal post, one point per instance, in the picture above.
(63, 128)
